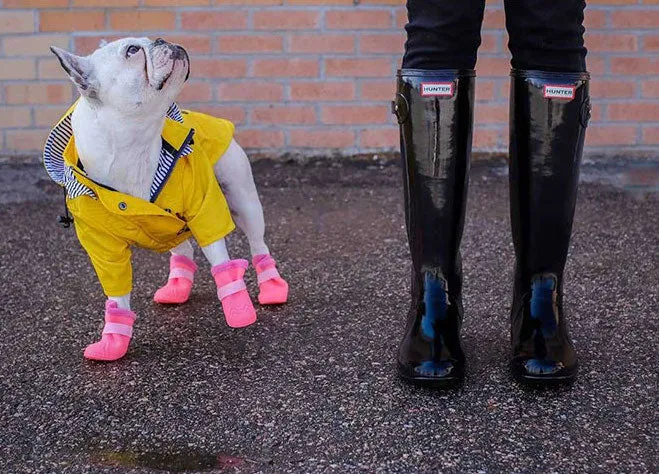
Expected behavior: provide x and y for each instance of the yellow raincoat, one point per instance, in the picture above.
(187, 200)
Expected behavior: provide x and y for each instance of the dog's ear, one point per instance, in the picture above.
(80, 70)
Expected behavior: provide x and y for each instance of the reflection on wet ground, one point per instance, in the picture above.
(636, 178)
(172, 460)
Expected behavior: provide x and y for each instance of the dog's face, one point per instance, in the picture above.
(133, 76)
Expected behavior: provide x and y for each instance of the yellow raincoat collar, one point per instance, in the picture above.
(62, 164)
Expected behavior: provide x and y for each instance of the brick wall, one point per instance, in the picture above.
(309, 75)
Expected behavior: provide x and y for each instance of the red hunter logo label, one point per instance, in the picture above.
(559, 92)
(441, 89)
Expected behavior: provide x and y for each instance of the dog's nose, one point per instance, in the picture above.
(159, 42)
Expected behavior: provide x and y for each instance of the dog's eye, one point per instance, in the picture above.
(132, 50)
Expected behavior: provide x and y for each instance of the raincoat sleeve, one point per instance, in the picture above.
(207, 211)
(110, 257)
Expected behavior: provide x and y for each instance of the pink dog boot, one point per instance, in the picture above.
(273, 289)
(178, 287)
(232, 292)
(116, 334)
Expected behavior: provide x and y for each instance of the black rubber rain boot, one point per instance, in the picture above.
(549, 113)
(435, 113)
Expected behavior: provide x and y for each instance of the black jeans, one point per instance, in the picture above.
(545, 35)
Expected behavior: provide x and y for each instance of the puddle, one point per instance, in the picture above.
(637, 178)
(171, 461)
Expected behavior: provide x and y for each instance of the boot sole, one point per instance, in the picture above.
(429, 382)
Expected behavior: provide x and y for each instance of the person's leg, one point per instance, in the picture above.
(443, 34)
(546, 35)
(434, 107)
(549, 112)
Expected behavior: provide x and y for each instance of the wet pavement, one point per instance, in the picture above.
(311, 387)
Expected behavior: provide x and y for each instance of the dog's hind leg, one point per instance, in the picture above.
(181, 276)
(231, 289)
(234, 174)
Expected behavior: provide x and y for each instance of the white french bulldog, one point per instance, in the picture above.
(132, 155)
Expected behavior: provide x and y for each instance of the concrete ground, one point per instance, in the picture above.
(311, 387)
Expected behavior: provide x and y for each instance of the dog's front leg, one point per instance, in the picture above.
(231, 289)
(181, 276)
(117, 331)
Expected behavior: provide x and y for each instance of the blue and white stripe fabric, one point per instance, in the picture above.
(53, 159)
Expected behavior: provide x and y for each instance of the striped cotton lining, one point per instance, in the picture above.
(53, 159)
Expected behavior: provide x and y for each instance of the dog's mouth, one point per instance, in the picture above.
(164, 81)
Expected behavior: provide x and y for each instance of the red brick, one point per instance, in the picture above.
(286, 20)
(606, 42)
(284, 115)
(33, 45)
(382, 43)
(492, 66)
(490, 113)
(200, 68)
(594, 19)
(176, 3)
(322, 91)
(354, 114)
(383, 90)
(600, 135)
(251, 44)
(105, 3)
(13, 69)
(485, 90)
(596, 65)
(634, 111)
(15, 117)
(401, 17)
(651, 43)
(35, 3)
(71, 21)
(489, 43)
(143, 20)
(247, 2)
(322, 138)
(210, 20)
(358, 20)
(89, 44)
(196, 91)
(26, 140)
(285, 68)
(650, 88)
(358, 67)
(635, 18)
(41, 93)
(50, 69)
(16, 22)
(48, 116)
(382, 2)
(635, 66)
(651, 135)
(229, 112)
(612, 88)
(320, 43)
(494, 19)
(487, 138)
(251, 138)
(320, 2)
(379, 138)
(250, 91)
(193, 44)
